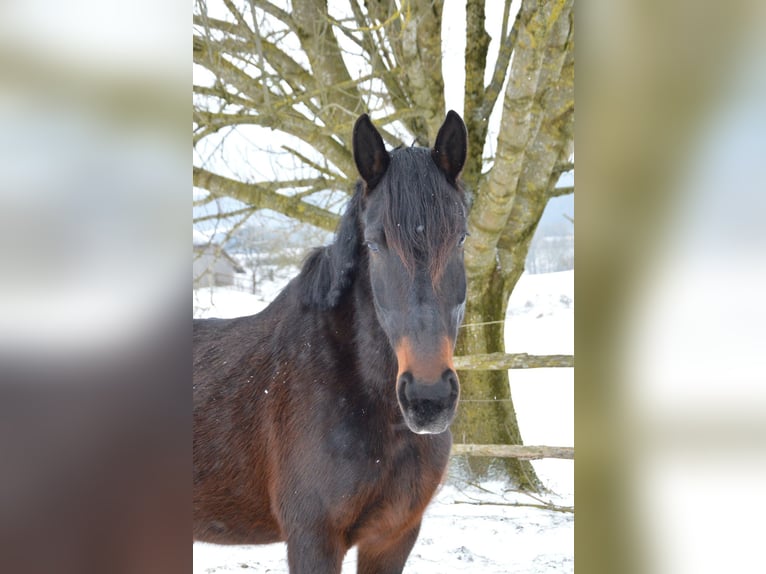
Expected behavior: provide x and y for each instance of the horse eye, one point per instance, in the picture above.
(461, 240)
(372, 246)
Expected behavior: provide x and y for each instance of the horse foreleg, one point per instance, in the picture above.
(387, 557)
(314, 552)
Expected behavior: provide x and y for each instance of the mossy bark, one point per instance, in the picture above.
(536, 137)
(486, 414)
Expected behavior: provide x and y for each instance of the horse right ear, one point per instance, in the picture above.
(449, 151)
(370, 153)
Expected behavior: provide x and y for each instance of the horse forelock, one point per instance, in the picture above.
(423, 212)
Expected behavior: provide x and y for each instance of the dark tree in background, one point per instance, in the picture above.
(289, 80)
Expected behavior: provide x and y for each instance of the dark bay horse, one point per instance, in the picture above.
(323, 420)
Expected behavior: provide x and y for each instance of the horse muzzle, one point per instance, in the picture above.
(428, 406)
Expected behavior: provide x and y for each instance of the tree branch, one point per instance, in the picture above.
(559, 191)
(314, 29)
(543, 505)
(563, 167)
(421, 47)
(234, 11)
(276, 12)
(245, 210)
(334, 176)
(507, 45)
(206, 22)
(262, 196)
(477, 122)
(220, 93)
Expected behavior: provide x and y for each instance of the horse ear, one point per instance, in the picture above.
(370, 153)
(451, 146)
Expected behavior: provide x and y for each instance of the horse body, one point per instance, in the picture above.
(322, 421)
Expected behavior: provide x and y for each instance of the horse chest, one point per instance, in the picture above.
(384, 480)
(399, 495)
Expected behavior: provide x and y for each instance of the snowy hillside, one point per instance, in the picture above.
(477, 528)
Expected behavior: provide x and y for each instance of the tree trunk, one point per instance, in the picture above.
(486, 414)
(536, 137)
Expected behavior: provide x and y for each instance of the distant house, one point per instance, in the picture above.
(212, 266)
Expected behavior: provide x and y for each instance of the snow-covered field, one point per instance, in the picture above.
(470, 528)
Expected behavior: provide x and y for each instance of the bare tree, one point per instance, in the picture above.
(290, 80)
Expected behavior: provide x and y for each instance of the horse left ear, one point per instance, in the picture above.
(451, 146)
(370, 153)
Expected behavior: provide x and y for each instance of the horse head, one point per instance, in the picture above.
(413, 224)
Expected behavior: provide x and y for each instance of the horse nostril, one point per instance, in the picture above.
(450, 378)
(405, 385)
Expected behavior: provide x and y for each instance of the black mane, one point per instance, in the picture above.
(329, 271)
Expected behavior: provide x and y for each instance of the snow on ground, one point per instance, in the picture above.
(469, 528)
(540, 321)
(227, 302)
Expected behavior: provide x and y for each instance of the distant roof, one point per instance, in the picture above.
(218, 251)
